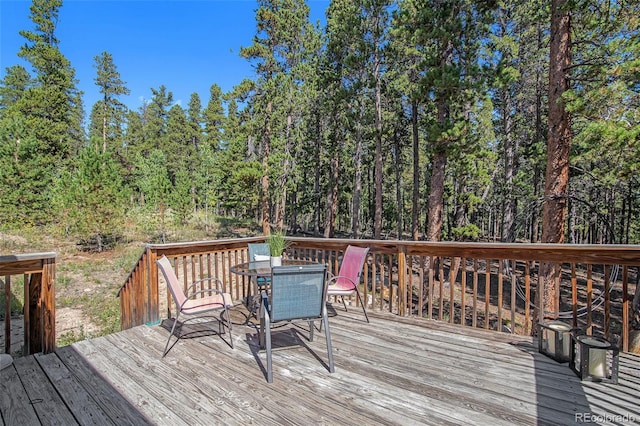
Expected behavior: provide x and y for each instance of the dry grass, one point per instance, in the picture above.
(87, 283)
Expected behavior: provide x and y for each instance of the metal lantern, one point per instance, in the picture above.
(595, 359)
(554, 340)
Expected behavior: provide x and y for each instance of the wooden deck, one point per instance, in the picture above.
(392, 371)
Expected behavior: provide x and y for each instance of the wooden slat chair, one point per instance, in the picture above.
(297, 293)
(348, 278)
(196, 303)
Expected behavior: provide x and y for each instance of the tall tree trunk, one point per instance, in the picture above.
(316, 178)
(415, 207)
(357, 179)
(436, 197)
(398, 170)
(436, 192)
(377, 218)
(104, 127)
(460, 217)
(282, 204)
(332, 189)
(510, 150)
(539, 132)
(554, 209)
(332, 198)
(266, 218)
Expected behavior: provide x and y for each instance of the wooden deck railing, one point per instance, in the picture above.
(38, 270)
(483, 285)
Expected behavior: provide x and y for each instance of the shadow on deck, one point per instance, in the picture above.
(392, 371)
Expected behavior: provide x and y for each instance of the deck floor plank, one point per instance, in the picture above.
(83, 407)
(189, 395)
(112, 403)
(15, 406)
(135, 392)
(283, 398)
(44, 397)
(451, 379)
(402, 371)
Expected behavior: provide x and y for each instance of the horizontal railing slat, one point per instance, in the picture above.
(483, 285)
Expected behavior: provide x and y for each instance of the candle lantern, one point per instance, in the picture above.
(554, 340)
(595, 359)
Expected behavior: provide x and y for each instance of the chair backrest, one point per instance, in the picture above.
(297, 292)
(352, 263)
(172, 280)
(261, 249)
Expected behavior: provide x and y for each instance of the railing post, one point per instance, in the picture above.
(7, 314)
(41, 311)
(152, 285)
(402, 281)
(34, 342)
(48, 306)
(625, 309)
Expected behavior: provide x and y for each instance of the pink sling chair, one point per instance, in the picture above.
(195, 302)
(348, 278)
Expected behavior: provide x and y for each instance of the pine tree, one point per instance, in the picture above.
(154, 186)
(234, 178)
(194, 115)
(177, 143)
(44, 123)
(277, 50)
(181, 197)
(110, 111)
(48, 104)
(341, 82)
(90, 199)
(13, 86)
(155, 117)
(213, 116)
(405, 73)
(450, 35)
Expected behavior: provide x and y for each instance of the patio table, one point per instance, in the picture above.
(262, 268)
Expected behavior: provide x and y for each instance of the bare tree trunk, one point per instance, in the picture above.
(316, 178)
(415, 208)
(357, 180)
(332, 198)
(460, 217)
(377, 217)
(266, 218)
(436, 197)
(510, 170)
(436, 192)
(104, 128)
(557, 176)
(539, 132)
(280, 213)
(398, 169)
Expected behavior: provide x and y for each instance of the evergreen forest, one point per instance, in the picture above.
(459, 120)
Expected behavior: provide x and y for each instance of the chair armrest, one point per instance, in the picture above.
(265, 302)
(195, 283)
(336, 277)
(197, 293)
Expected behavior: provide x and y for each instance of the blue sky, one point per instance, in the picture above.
(185, 45)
